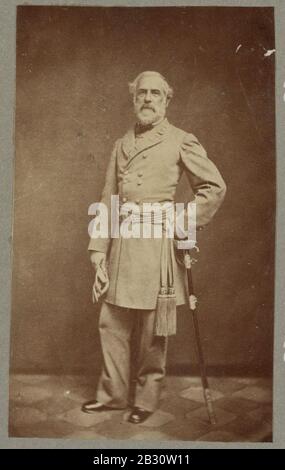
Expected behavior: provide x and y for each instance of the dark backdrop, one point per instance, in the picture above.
(72, 102)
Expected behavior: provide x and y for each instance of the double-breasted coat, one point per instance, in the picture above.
(147, 168)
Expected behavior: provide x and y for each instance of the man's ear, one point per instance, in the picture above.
(167, 101)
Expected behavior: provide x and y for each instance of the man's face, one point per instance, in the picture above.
(150, 101)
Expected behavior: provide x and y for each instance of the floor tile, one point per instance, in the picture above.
(84, 434)
(249, 429)
(174, 384)
(186, 430)
(263, 413)
(195, 393)
(21, 416)
(226, 385)
(78, 418)
(266, 383)
(80, 393)
(54, 384)
(256, 394)
(219, 436)
(179, 406)
(117, 428)
(50, 406)
(28, 394)
(60, 387)
(239, 406)
(250, 381)
(46, 429)
(223, 417)
(157, 419)
(55, 406)
(77, 388)
(151, 436)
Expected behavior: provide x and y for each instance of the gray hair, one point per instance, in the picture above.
(167, 87)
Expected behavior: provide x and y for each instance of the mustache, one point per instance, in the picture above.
(147, 106)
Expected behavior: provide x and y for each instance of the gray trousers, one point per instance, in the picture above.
(116, 327)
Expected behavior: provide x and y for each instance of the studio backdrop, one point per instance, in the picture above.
(72, 103)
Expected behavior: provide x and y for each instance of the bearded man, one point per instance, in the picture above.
(145, 167)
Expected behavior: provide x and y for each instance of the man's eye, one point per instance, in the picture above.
(156, 92)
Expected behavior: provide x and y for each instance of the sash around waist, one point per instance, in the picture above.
(149, 213)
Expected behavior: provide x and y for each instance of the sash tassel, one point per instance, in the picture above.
(165, 321)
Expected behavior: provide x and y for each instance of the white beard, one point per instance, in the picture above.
(146, 117)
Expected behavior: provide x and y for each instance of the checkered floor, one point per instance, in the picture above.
(49, 406)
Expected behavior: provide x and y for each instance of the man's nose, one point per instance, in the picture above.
(147, 96)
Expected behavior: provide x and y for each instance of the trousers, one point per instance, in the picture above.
(148, 362)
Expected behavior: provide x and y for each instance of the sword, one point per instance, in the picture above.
(192, 301)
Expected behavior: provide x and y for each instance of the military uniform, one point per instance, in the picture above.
(146, 168)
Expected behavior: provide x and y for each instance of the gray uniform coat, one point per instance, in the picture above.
(148, 169)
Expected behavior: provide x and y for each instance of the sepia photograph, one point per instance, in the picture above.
(143, 247)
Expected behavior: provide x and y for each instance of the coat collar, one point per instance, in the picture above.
(132, 146)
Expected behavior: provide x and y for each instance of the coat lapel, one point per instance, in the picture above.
(132, 146)
(128, 143)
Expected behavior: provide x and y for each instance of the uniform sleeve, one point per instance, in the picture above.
(110, 188)
(205, 180)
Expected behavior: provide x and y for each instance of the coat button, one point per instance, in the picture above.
(126, 172)
(139, 183)
(124, 199)
(140, 174)
(144, 156)
(137, 201)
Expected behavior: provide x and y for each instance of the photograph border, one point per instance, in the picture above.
(7, 131)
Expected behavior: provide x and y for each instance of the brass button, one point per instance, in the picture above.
(140, 174)
(137, 201)
(139, 183)
(144, 156)
(124, 199)
(126, 172)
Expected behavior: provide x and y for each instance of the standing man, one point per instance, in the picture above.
(145, 167)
